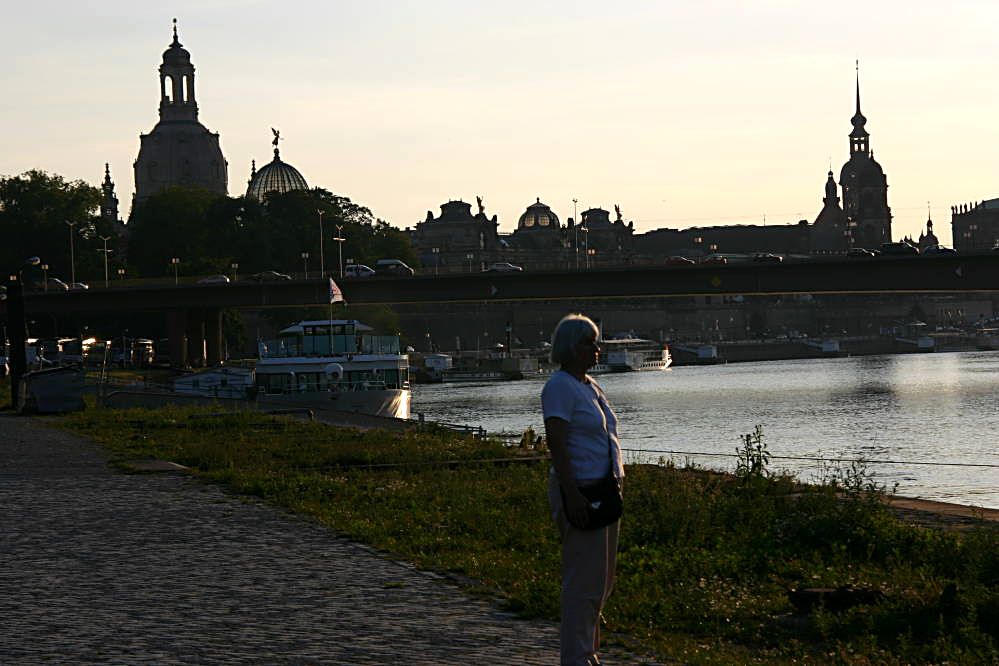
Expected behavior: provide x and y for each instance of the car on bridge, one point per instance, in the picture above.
(503, 267)
(79, 286)
(393, 268)
(51, 284)
(938, 251)
(679, 261)
(214, 279)
(269, 276)
(767, 258)
(358, 271)
(898, 248)
(860, 252)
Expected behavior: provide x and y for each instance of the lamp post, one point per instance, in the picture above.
(586, 246)
(591, 256)
(106, 252)
(235, 267)
(17, 327)
(437, 259)
(45, 276)
(121, 273)
(340, 241)
(973, 228)
(175, 262)
(322, 255)
(72, 251)
(469, 256)
(305, 264)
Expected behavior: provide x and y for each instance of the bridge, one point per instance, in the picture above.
(193, 311)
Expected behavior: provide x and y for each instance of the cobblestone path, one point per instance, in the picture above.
(102, 566)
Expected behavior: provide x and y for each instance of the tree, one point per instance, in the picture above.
(186, 223)
(33, 210)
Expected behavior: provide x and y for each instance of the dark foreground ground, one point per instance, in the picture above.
(97, 565)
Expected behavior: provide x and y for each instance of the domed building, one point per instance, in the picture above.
(538, 229)
(865, 188)
(277, 176)
(179, 151)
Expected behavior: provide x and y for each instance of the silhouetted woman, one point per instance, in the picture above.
(582, 434)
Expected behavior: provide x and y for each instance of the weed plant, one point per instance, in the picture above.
(706, 559)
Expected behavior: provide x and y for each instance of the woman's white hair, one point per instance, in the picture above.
(569, 332)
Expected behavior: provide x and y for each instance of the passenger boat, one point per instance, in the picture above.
(632, 355)
(335, 364)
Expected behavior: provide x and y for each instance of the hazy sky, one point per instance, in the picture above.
(714, 112)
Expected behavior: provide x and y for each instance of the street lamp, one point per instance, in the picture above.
(17, 327)
(121, 273)
(437, 258)
(72, 252)
(322, 255)
(340, 240)
(469, 256)
(590, 252)
(45, 276)
(106, 252)
(175, 262)
(235, 267)
(305, 262)
(586, 245)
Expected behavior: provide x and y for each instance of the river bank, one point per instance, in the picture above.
(707, 562)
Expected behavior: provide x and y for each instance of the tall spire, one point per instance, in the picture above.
(859, 138)
(176, 41)
(856, 64)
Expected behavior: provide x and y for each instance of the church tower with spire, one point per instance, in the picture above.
(829, 233)
(179, 151)
(109, 200)
(865, 188)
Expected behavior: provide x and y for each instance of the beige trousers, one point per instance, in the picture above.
(588, 561)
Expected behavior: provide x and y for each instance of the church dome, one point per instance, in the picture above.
(538, 215)
(176, 54)
(277, 176)
(863, 169)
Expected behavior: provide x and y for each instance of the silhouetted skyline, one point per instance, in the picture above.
(715, 114)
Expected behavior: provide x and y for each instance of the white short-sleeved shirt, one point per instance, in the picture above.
(594, 449)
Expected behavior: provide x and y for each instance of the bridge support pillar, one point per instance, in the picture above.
(213, 337)
(195, 338)
(176, 324)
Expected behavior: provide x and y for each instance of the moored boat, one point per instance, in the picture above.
(633, 355)
(335, 364)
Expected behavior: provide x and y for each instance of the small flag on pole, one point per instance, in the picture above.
(336, 296)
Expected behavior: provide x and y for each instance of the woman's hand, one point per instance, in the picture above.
(576, 507)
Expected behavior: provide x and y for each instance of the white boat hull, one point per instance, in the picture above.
(393, 403)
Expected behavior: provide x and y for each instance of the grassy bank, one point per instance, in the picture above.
(706, 560)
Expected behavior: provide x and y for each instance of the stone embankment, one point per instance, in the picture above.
(101, 566)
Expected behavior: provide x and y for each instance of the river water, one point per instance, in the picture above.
(914, 408)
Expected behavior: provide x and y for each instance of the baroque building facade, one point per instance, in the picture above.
(179, 151)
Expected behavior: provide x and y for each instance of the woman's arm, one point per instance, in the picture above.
(557, 434)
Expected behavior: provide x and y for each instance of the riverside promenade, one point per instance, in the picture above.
(102, 566)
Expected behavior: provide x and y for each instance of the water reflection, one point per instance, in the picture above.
(926, 407)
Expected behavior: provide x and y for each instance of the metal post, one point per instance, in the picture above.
(106, 251)
(340, 240)
(17, 329)
(305, 264)
(72, 252)
(322, 255)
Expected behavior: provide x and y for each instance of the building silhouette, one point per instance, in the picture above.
(276, 176)
(975, 226)
(179, 151)
(865, 188)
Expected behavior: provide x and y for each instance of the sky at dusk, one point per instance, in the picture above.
(684, 114)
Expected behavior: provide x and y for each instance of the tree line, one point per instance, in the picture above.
(207, 232)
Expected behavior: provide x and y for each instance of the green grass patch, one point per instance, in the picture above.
(706, 560)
